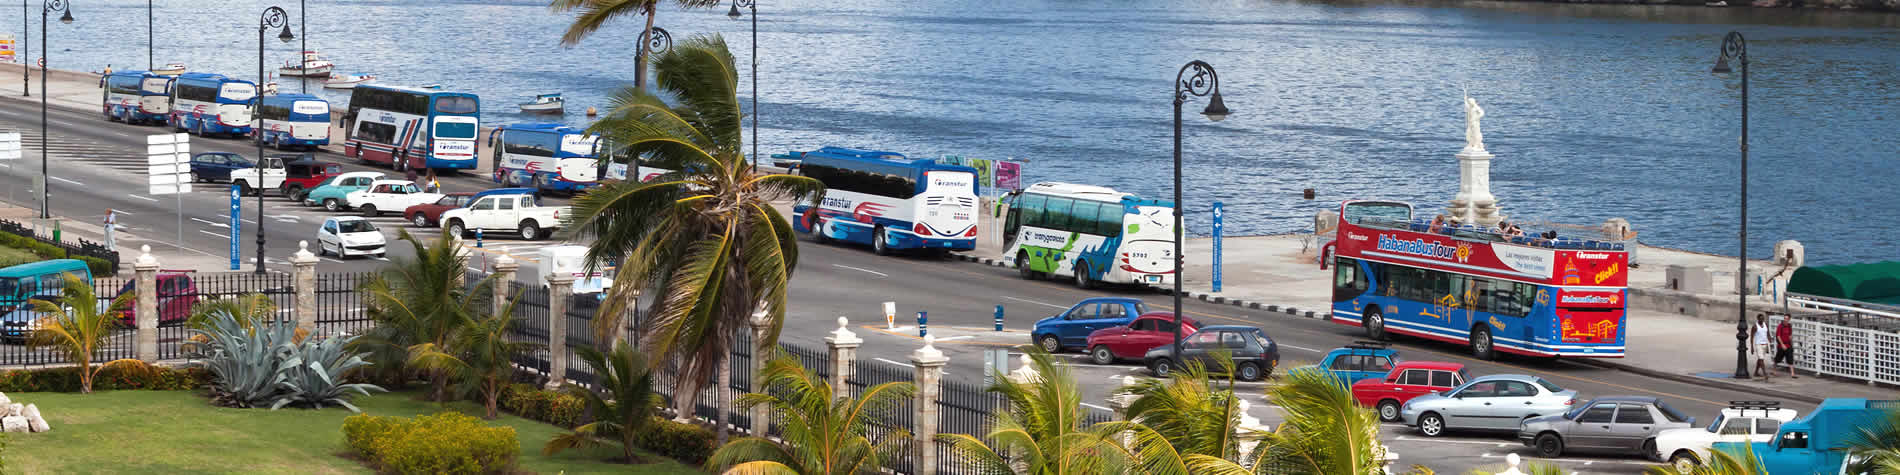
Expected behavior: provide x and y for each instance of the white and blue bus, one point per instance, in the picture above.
(136, 97)
(293, 120)
(547, 157)
(889, 202)
(412, 128)
(1089, 234)
(207, 104)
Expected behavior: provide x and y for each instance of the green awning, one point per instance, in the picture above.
(1877, 282)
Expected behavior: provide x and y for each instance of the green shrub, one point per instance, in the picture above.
(66, 380)
(99, 267)
(553, 407)
(687, 443)
(447, 442)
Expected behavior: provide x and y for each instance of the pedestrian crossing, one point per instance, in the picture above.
(67, 150)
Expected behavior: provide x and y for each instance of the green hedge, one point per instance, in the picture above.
(447, 442)
(49, 251)
(552, 407)
(125, 376)
(687, 443)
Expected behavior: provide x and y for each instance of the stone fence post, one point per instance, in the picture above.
(761, 323)
(504, 276)
(145, 311)
(929, 365)
(560, 286)
(844, 349)
(306, 285)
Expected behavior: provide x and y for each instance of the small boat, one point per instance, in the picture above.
(314, 66)
(270, 88)
(170, 69)
(346, 81)
(545, 104)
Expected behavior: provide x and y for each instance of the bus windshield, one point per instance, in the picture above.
(455, 130)
(237, 92)
(456, 105)
(1377, 209)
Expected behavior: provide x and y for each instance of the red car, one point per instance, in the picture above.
(1406, 381)
(176, 294)
(430, 214)
(302, 174)
(1132, 341)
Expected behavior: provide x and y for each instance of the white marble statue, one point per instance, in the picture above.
(1474, 139)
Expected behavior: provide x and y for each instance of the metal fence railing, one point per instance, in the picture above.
(964, 408)
(83, 248)
(866, 373)
(342, 307)
(1847, 339)
(530, 322)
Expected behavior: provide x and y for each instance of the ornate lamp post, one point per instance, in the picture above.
(1203, 83)
(273, 17)
(46, 182)
(752, 6)
(1733, 46)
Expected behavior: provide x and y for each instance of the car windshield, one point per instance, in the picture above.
(1670, 412)
(1714, 425)
(1140, 308)
(1262, 337)
(1572, 415)
(356, 226)
(1552, 387)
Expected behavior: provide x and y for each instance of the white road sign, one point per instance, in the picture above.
(168, 163)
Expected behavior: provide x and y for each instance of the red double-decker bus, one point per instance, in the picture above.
(1531, 295)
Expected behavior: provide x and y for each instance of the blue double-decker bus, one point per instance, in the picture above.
(136, 97)
(293, 120)
(412, 128)
(889, 202)
(211, 104)
(547, 157)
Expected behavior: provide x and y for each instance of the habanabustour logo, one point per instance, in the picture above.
(1417, 247)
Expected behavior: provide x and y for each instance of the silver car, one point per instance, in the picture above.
(1624, 425)
(1499, 402)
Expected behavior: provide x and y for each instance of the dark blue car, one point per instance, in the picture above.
(1071, 328)
(217, 166)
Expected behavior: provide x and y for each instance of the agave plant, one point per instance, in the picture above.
(314, 374)
(246, 364)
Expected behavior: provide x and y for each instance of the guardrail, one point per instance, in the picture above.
(1846, 339)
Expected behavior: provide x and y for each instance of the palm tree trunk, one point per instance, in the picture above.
(640, 60)
(491, 391)
(725, 397)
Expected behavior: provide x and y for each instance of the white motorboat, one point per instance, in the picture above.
(545, 104)
(314, 66)
(432, 86)
(170, 69)
(346, 81)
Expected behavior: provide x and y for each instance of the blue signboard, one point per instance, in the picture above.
(1217, 226)
(235, 225)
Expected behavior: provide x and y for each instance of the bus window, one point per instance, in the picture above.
(1056, 213)
(1082, 216)
(1032, 208)
(375, 132)
(1108, 220)
(455, 105)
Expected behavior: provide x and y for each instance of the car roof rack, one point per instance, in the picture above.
(1368, 345)
(1764, 406)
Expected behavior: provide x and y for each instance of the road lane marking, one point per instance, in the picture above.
(906, 365)
(1450, 441)
(154, 200)
(1301, 348)
(69, 181)
(332, 260)
(860, 269)
(958, 337)
(1035, 302)
(212, 223)
(215, 234)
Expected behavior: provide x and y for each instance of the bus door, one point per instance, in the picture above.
(1011, 224)
(494, 147)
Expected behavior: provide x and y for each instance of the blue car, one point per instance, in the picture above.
(217, 166)
(1071, 328)
(1358, 361)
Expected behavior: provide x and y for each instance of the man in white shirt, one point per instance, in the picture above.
(1762, 339)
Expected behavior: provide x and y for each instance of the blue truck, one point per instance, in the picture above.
(1818, 443)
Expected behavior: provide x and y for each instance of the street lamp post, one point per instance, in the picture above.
(26, 53)
(1204, 82)
(46, 182)
(753, 7)
(149, 65)
(303, 44)
(1733, 46)
(273, 17)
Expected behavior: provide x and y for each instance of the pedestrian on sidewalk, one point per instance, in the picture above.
(1760, 337)
(1784, 345)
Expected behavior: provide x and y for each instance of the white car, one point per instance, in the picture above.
(388, 195)
(1743, 421)
(347, 236)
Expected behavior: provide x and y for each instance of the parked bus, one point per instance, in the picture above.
(206, 104)
(889, 201)
(547, 157)
(1089, 234)
(293, 120)
(1543, 295)
(412, 128)
(136, 97)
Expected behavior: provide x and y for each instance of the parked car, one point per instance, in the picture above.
(216, 167)
(176, 294)
(504, 210)
(267, 175)
(1818, 442)
(1359, 361)
(386, 195)
(1406, 381)
(1743, 422)
(305, 173)
(346, 236)
(1499, 402)
(1255, 355)
(430, 214)
(332, 192)
(1132, 341)
(1623, 425)
(1071, 328)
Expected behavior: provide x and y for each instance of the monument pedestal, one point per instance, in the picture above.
(1474, 203)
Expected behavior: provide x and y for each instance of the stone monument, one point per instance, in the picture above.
(1474, 204)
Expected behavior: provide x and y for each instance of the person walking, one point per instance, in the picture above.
(1784, 345)
(434, 186)
(1762, 343)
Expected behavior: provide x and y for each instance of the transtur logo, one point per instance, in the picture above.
(1592, 256)
(1356, 237)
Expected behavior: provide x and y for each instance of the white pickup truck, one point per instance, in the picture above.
(506, 210)
(382, 196)
(267, 175)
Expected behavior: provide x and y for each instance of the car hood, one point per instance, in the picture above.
(1544, 421)
(1047, 321)
(1425, 399)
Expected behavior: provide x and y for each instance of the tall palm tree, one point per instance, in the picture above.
(1188, 412)
(1325, 432)
(416, 301)
(707, 236)
(77, 328)
(1042, 429)
(479, 354)
(626, 409)
(594, 14)
(823, 432)
(1876, 446)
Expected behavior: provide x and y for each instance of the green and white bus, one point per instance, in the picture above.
(1090, 234)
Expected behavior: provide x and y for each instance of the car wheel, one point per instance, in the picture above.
(877, 242)
(1431, 424)
(529, 231)
(1481, 344)
(330, 204)
(1389, 410)
(1549, 445)
(294, 192)
(244, 188)
(1101, 355)
(421, 220)
(1684, 462)
(455, 228)
(1248, 371)
(1082, 280)
(1649, 448)
(1375, 324)
(1022, 265)
(196, 179)
(1161, 367)
(1049, 343)
(369, 210)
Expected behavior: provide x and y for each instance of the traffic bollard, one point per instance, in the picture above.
(890, 315)
(478, 237)
(999, 318)
(923, 323)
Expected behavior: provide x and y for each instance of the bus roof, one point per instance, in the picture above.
(135, 72)
(1092, 192)
(545, 127)
(211, 77)
(417, 90)
(44, 267)
(293, 97)
(878, 157)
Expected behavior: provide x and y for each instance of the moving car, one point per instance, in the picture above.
(1624, 425)
(1743, 422)
(176, 294)
(386, 195)
(430, 214)
(1132, 341)
(333, 192)
(346, 236)
(1254, 354)
(1818, 443)
(305, 173)
(1071, 328)
(1359, 361)
(1499, 402)
(1408, 380)
(504, 210)
(217, 166)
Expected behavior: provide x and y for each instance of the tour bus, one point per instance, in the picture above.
(412, 128)
(293, 120)
(136, 97)
(206, 104)
(547, 157)
(1089, 234)
(1541, 294)
(889, 201)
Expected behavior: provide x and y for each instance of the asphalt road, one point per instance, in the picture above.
(99, 165)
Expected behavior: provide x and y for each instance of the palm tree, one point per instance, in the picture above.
(479, 354)
(594, 14)
(1876, 446)
(1325, 431)
(627, 409)
(77, 327)
(707, 236)
(1042, 429)
(1188, 415)
(823, 432)
(416, 301)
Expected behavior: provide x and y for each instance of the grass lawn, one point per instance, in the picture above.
(180, 432)
(12, 255)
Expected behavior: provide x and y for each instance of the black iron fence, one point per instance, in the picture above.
(342, 306)
(82, 248)
(964, 408)
(868, 373)
(530, 321)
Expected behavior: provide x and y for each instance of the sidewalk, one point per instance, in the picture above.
(127, 243)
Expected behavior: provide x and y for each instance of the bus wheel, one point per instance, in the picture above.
(1022, 266)
(540, 182)
(877, 242)
(1082, 280)
(1481, 344)
(818, 229)
(1375, 324)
